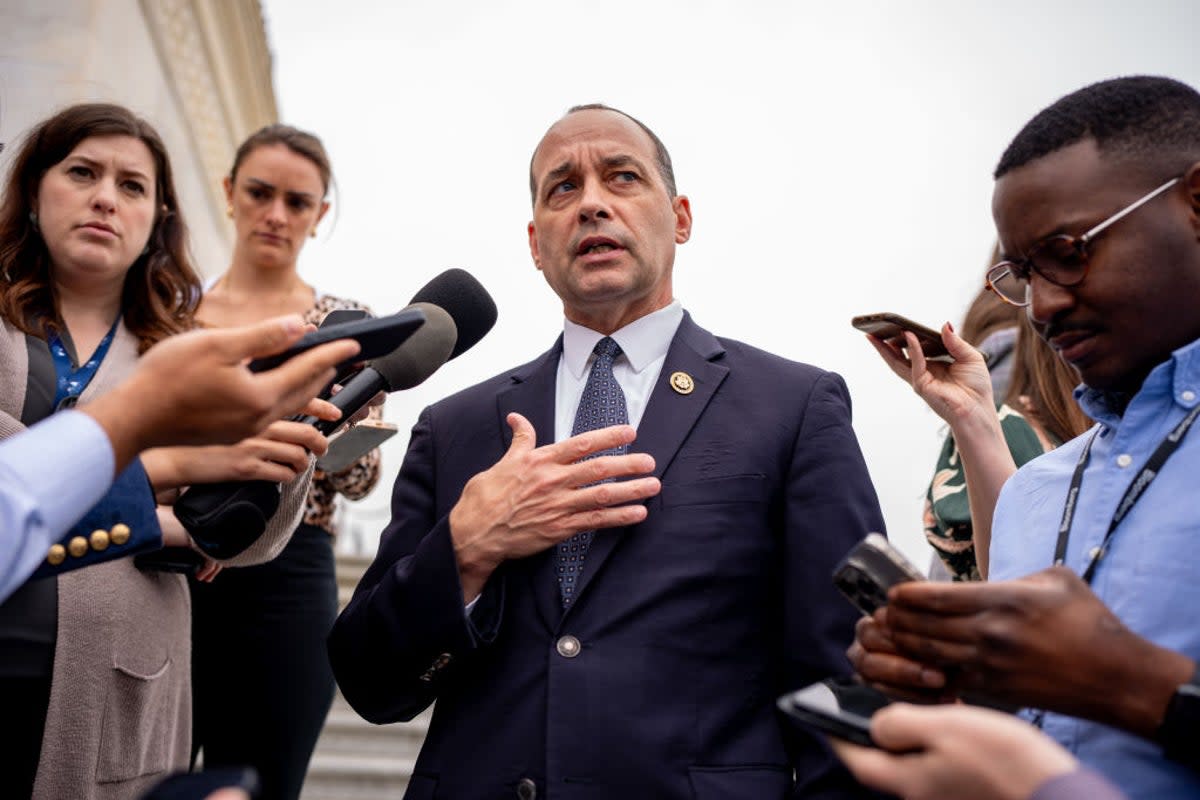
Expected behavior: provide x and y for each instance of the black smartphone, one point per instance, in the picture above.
(377, 336)
(184, 560)
(840, 707)
(871, 568)
(199, 785)
(887, 325)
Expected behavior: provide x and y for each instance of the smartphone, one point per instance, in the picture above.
(871, 568)
(199, 785)
(377, 336)
(840, 707)
(184, 560)
(892, 326)
(350, 445)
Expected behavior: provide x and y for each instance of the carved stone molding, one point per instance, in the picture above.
(218, 63)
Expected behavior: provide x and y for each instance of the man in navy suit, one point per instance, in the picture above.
(705, 589)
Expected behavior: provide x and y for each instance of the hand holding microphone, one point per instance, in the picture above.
(226, 518)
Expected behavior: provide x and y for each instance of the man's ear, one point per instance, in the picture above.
(683, 218)
(1191, 182)
(533, 247)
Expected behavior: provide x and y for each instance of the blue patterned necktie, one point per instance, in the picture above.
(602, 404)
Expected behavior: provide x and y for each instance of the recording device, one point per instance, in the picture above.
(888, 326)
(226, 518)
(840, 707)
(336, 317)
(376, 336)
(353, 443)
(871, 568)
(405, 367)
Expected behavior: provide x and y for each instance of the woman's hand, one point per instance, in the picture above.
(278, 454)
(956, 392)
(175, 535)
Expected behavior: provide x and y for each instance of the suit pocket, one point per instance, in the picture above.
(138, 733)
(763, 782)
(731, 489)
(421, 787)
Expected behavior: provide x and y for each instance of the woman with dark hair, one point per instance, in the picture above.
(262, 679)
(1036, 414)
(93, 271)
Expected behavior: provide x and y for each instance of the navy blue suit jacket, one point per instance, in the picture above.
(689, 624)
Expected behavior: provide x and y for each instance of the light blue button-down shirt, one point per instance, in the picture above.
(50, 475)
(1150, 577)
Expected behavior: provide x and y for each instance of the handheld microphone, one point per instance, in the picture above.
(405, 367)
(458, 313)
(226, 518)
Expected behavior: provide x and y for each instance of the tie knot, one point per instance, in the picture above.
(607, 348)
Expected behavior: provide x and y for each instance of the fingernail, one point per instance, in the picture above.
(950, 325)
(293, 324)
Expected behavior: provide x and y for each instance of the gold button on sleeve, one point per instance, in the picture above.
(119, 533)
(57, 555)
(78, 546)
(99, 539)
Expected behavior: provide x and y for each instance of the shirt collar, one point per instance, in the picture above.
(643, 341)
(1177, 378)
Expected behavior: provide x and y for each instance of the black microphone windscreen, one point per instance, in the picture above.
(422, 353)
(466, 301)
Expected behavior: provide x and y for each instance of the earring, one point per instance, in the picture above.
(229, 211)
(313, 233)
(33, 219)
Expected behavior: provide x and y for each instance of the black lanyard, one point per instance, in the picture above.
(1132, 494)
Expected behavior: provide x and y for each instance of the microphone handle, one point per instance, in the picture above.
(353, 396)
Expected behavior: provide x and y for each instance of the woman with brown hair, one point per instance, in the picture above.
(987, 441)
(93, 271)
(263, 684)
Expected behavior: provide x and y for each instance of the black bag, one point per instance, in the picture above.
(226, 518)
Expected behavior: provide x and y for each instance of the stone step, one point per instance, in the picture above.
(342, 777)
(346, 733)
(354, 759)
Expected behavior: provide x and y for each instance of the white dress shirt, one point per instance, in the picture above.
(50, 475)
(644, 344)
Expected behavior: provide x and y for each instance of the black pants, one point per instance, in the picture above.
(261, 679)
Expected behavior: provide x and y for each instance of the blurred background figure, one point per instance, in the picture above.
(261, 676)
(1035, 412)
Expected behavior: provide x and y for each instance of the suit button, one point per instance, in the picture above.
(99, 539)
(57, 555)
(119, 534)
(526, 789)
(567, 646)
(78, 546)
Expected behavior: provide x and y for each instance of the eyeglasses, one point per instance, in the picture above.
(1061, 259)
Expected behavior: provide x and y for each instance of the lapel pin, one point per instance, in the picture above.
(682, 383)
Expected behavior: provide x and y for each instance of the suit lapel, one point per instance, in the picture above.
(532, 396)
(669, 417)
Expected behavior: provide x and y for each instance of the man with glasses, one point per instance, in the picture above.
(1097, 205)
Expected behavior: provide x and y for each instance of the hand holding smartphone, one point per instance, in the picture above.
(377, 336)
(889, 326)
(840, 707)
(871, 568)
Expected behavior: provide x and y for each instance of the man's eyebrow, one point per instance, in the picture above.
(561, 171)
(622, 160)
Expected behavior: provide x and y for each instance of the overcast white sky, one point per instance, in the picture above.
(838, 158)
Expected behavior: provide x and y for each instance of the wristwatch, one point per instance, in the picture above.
(1179, 733)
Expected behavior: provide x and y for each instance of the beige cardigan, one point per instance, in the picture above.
(120, 712)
